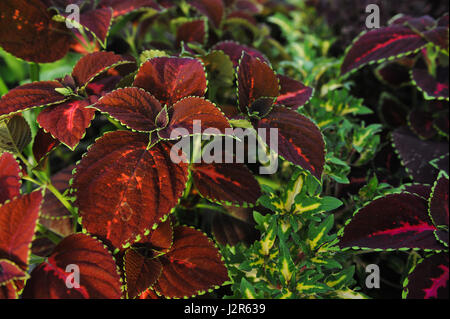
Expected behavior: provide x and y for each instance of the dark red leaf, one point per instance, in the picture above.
(441, 123)
(121, 7)
(255, 79)
(392, 112)
(99, 278)
(247, 6)
(380, 44)
(9, 177)
(44, 143)
(170, 79)
(421, 190)
(9, 271)
(67, 122)
(31, 95)
(293, 94)
(299, 139)
(391, 222)
(18, 219)
(160, 239)
(421, 123)
(8, 291)
(192, 31)
(149, 294)
(28, 31)
(123, 189)
(192, 266)
(234, 50)
(141, 272)
(438, 36)
(416, 155)
(54, 215)
(236, 227)
(432, 87)
(231, 184)
(96, 21)
(393, 74)
(438, 207)
(429, 279)
(442, 163)
(213, 9)
(133, 107)
(92, 65)
(185, 112)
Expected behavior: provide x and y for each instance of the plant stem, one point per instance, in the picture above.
(34, 72)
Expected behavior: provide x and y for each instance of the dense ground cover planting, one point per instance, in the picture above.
(222, 149)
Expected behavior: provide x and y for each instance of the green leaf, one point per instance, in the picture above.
(15, 134)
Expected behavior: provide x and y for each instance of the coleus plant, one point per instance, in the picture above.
(65, 115)
(416, 218)
(36, 31)
(267, 100)
(410, 50)
(167, 95)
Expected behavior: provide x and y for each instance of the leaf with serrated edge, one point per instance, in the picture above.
(123, 188)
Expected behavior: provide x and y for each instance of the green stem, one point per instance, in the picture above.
(3, 87)
(63, 200)
(34, 72)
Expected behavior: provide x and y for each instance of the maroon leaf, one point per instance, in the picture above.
(160, 239)
(438, 36)
(380, 44)
(121, 7)
(392, 112)
(232, 184)
(92, 65)
(393, 74)
(391, 222)
(8, 291)
(432, 87)
(28, 31)
(133, 107)
(31, 95)
(293, 94)
(9, 271)
(236, 227)
(416, 155)
(141, 272)
(213, 9)
(192, 266)
(123, 188)
(170, 79)
(9, 177)
(299, 140)
(44, 143)
(441, 163)
(98, 22)
(421, 123)
(438, 208)
(185, 112)
(255, 80)
(67, 122)
(18, 219)
(99, 278)
(192, 31)
(234, 50)
(429, 279)
(54, 215)
(421, 190)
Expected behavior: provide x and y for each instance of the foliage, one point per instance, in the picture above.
(87, 169)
